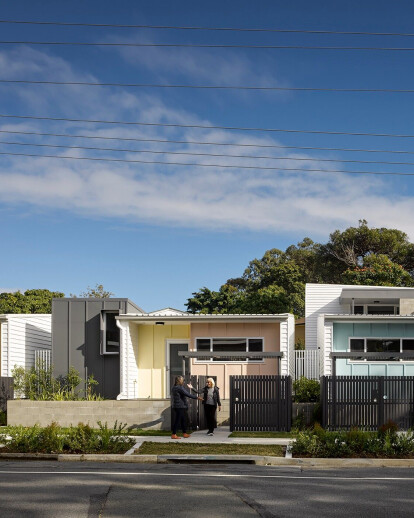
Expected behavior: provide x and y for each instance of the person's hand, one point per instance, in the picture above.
(219, 408)
(189, 385)
(200, 398)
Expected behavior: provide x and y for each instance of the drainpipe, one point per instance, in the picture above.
(353, 307)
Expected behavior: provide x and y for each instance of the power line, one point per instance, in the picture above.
(203, 126)
(204, 46)
(220, 166)
(198, 28)
(211, 87)
(188, 153)
(231, 144)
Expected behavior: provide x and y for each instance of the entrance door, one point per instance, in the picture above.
(175, 362)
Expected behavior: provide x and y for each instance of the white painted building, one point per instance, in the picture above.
(21, 335)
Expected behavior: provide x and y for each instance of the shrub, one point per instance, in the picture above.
(306, 390)
(354, 443)
(3, 418)
(76, 439)
(38, 383)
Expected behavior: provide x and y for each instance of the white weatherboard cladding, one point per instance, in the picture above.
(21, 336)
(128, 353)
(287, 346)
(325, 344)
(320, 299)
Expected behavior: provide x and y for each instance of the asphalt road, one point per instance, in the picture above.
(65, 490)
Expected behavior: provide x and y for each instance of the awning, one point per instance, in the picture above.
(230, 354)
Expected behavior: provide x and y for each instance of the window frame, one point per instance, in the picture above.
(104, 352)
(222, 362)
(365, 338)
(365, 308)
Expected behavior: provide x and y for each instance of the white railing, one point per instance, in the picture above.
(307, 364)
(43, 358)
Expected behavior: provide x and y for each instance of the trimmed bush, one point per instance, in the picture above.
(386, 443)
(306, 390)
(76, 439)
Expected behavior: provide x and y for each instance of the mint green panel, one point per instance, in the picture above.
(377, 370)
(360, 369)
(396, 330)
(409, 331)
(341, 333)
(396, 369)
(408, 369)
(343, 368)
(379, 330)
(362, 330)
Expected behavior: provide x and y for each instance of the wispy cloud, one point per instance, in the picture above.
(210, 198)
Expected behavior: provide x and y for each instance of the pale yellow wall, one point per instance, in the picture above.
(152, 342)
(269, 331)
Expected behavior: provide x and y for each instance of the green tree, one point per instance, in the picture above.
(98, 292)
(276, 282)
(31, 301)
(378, 270)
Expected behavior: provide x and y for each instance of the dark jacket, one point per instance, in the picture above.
(216, 395)
(179, 397)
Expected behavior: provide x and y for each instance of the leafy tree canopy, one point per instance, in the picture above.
(98, 292)
(276, 282)
(31, 301)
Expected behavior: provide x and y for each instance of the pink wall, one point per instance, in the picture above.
(269, 332)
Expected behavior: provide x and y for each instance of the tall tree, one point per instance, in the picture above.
(98, 292)
(276, 282)
(31, 301)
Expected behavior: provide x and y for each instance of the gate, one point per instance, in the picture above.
(6, 392)
(260, 403)
(367, 401)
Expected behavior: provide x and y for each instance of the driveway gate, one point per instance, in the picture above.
(260, 403)
(367, 401)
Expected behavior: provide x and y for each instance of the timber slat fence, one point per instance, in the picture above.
(6, 392)
(307, 364)
(367, 402)
(260, 403)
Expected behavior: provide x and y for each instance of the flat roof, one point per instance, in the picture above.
(369, 318)
(149, 318)
(370, 294)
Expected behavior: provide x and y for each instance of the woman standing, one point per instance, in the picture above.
(179, 403)
(211, 400)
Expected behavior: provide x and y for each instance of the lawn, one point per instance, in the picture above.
(265, 435)
(173, 448)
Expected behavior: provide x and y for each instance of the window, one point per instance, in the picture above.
(376, 309)
(110, 333)
(379, 345)
(233, 345)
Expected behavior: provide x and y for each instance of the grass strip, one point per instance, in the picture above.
(177, 448)
(264, 435)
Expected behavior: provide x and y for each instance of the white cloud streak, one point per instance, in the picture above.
(189, 197)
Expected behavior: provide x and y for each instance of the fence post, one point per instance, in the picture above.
(380, 401)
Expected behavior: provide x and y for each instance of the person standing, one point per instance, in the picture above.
(211, 400)
(179, 403)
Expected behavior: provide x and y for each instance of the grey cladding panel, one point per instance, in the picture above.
(77, 336)
(60, 336)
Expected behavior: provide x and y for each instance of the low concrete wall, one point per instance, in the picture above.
(153, 414)
(140, 413)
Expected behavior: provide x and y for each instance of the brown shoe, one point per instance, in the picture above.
(173, 436)
(186, 435)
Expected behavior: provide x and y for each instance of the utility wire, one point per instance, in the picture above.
(220, 166)
(204, 46)
(211, 87)
(188, 153)
(202, 126)
(198, 28)
(231, 144)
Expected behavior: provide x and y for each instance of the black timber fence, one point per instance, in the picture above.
(367, 402)
(260, 403)
(6, 392)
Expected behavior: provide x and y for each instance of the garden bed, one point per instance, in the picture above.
(172, 448)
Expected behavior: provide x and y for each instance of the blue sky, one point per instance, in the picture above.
(156, 233)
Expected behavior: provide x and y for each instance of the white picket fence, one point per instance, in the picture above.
(307, 364)
(43, 358)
